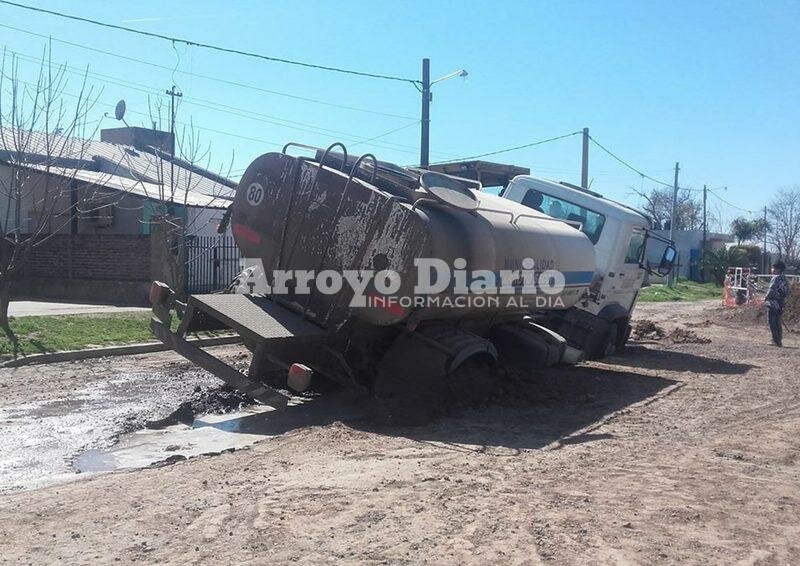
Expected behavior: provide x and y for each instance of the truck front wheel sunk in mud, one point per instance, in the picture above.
(605, 341)
(611, 342)
(419, 397)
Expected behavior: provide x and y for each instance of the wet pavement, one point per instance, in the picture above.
(84, 418)
(207, 435)
(212, 434)
(41, 437)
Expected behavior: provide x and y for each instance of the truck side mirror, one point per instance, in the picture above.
(667, 260)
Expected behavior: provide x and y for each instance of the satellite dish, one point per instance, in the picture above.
(119, 111)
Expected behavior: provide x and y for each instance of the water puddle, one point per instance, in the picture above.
(40, 438)
(211, 434)
(208, 434)
(97, 426)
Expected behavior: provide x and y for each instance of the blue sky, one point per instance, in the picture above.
(712, 85)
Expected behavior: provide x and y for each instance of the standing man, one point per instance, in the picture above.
(774, 301)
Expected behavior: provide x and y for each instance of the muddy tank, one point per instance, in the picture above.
(327, 213)
(292, 213)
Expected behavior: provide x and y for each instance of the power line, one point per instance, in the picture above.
(195, 126)
(231, 134)
(387, 133)
(208, 77)
(628, 165)
(244, 113)
(309, 127)
(730, 203)
(222, 132)
(192, 43)
(532, 144)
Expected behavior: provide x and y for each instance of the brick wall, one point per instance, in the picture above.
(90, 256)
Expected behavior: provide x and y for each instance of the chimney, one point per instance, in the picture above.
(140, 138)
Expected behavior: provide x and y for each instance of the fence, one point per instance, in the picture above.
(742, 286)
(212, 262)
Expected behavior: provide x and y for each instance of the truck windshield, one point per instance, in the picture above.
(591, 221)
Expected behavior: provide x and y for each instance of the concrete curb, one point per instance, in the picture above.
(126, 350)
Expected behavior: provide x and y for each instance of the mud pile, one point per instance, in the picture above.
(647, 330)
(756, 314)
(702, 324)
(204, 400)
(791, 313)
(476, 387)
(684, 336)
(745, 314)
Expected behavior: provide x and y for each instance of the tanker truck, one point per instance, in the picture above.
(626, 252)
(374, 275)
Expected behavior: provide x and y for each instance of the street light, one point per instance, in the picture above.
(459, 73)
(424, 149)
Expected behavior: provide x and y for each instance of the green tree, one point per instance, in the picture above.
(743, 230)
(720, 260)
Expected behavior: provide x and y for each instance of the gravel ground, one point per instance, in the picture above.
(675, 451)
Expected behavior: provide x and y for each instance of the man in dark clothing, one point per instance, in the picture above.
(774, 301)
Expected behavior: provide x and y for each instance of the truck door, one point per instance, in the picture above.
(629, 274)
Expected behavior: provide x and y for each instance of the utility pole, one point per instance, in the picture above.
(673, 217)
(705, 223)
(585, 160)
(705, 234)
(173, 94)
(765, 261)
(424, 146)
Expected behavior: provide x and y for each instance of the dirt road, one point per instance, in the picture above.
(670, 453)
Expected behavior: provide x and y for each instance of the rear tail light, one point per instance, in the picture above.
(299, 377)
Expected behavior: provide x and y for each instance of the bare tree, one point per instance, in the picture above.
(657, 203)
(45, 147)
(42, 142)
(784, 223)
(184, 199)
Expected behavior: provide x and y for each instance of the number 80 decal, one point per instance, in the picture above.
(255, 194)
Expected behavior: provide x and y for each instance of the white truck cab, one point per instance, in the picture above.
(625, 250)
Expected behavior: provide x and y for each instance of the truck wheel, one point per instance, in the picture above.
(602, 343)
(610, 342)
(472, 384)
(621, 345)
(414, 399)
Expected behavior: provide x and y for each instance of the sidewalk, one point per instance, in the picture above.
(41, 308)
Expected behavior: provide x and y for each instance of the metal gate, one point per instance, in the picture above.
(212, 262)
